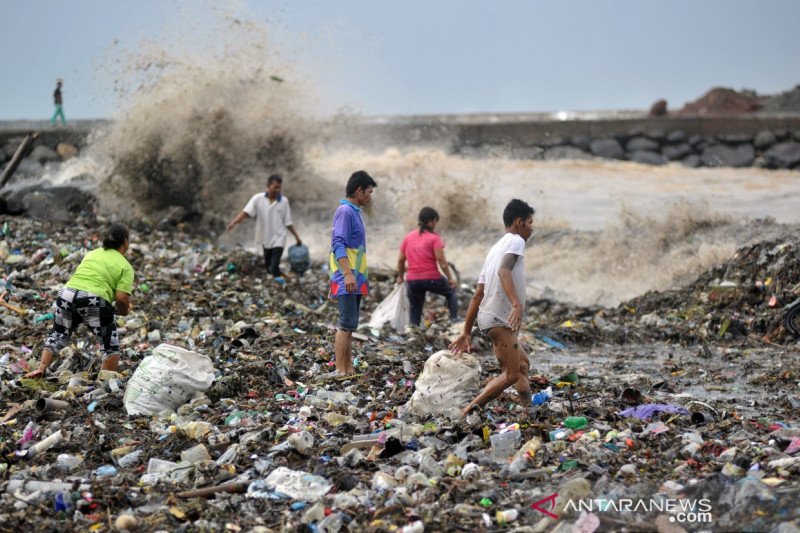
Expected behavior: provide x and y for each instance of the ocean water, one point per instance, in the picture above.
(604, 231)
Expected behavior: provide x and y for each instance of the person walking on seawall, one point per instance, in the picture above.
(423, 249)
(57, 100)
(499, 306)
(273, 216)
(103, 280)
(348, 264)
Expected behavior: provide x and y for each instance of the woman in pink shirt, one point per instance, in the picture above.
(423, 248)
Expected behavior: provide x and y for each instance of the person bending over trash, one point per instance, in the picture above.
(273, 216)
(423, 248)
(499, 305)
(103, 279)
(348, 264)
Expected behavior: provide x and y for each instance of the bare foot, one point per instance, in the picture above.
(34, 374)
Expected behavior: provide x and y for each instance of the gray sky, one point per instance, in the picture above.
(432, 56)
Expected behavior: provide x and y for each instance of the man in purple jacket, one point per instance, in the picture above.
(348, 264)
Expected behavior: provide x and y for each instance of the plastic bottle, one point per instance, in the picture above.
(542, 397)
(504, 445)
(575, 422)
(130, 459)
(66, 462)
(522, 458)
(106, 471)
(504, 517)
(559, 434)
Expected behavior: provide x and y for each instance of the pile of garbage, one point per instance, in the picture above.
(746, 301)
(224, 415)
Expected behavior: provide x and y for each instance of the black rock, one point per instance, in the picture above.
(608, 148)
(691, 161)
(581, 141)
(647, 157)
(676, 136)
(641, 143)
(676, 152)
(783, 155)
(694, 140)
(764, 139)
(782, 134)
(55, 204)
(721, 155)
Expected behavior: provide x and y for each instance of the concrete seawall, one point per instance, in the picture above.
(550, 129)
(454, 131)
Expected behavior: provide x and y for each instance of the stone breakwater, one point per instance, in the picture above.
(765, 141)
(761, 140)
(779, 149)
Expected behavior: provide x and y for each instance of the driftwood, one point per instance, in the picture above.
(18, 156)
(232, 488)
(7, 305)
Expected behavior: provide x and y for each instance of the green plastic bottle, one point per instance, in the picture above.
(575, 422)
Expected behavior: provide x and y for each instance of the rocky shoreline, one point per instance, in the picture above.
(777, 149)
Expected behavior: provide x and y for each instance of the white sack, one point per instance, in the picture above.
(394, 309)
(166, 380)
(296, 484)
(447, 384)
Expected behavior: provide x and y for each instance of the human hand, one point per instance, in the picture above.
(299, 242)
(399, 278)
(463, 344)
(453, 283)
(515, 317)
(349, 281)
(230, 227)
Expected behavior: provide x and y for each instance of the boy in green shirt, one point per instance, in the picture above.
(103, 278)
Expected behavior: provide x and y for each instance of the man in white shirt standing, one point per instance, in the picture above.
(499, 306)
(273, 217)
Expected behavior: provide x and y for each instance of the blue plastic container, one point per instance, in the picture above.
(299, 259)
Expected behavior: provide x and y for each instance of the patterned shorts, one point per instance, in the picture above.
(487, 322)
(74, 307)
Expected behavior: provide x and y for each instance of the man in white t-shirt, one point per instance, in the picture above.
(273, 217)
(499, 305)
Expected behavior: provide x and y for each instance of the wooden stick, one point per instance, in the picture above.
(232, 488)
(17, 159)
(7, 305)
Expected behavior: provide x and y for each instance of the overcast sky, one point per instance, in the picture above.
(432, 56)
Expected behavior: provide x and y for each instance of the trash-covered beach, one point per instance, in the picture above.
(688, 397)
(661, 317)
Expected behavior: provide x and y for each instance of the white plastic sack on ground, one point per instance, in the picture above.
(447, 384)
(296, 484)
(166, 380)
(394, 309)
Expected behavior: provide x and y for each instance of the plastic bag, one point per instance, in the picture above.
(296, 484)
(394, 309)
(166, 380)
(447, 384)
